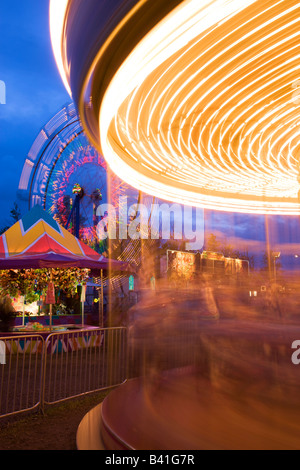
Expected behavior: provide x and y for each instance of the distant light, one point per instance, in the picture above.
(131, 283)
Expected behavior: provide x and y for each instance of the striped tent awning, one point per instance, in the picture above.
(38, 241)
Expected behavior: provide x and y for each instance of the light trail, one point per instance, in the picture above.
(202, 110)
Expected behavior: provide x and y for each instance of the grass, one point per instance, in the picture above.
(54, 430)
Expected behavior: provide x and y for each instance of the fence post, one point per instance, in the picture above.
(43, 377)
(2, 353)
(21, 370)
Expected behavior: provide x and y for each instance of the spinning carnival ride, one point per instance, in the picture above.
(66, 176)
(195, 103)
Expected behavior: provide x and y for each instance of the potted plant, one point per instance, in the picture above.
(7, 315)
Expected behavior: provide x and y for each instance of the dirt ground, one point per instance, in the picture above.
(55, 430)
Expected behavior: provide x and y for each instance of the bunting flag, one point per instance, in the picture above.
(53, 343)
(50, 297)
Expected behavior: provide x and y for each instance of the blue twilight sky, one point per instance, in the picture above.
(34, 93)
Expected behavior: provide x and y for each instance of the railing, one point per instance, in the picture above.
(77, 363)
(42, 370)
(21, 375)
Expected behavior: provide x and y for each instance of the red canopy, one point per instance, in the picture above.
(55, 260)
(38, 241)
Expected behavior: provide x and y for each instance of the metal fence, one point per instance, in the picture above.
(37, 370)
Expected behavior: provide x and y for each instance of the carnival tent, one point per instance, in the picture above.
(37, 241)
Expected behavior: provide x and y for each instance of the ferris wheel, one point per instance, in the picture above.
(66, 176)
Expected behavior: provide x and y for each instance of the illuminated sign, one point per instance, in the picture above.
(212, 255)
(180, 264)
(131, 282)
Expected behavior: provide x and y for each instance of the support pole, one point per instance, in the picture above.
(268, 246)
(50, 306)
(82, 314)
(102, 299)
(77, 222)
(83, 296)
(75, 209)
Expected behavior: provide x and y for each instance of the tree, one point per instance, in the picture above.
(212, 244)
(229, 251)
(15, 214)
(270, 262)
(32, 283)
(250, 258)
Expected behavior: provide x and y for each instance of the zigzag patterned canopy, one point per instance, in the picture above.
(38, 241)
